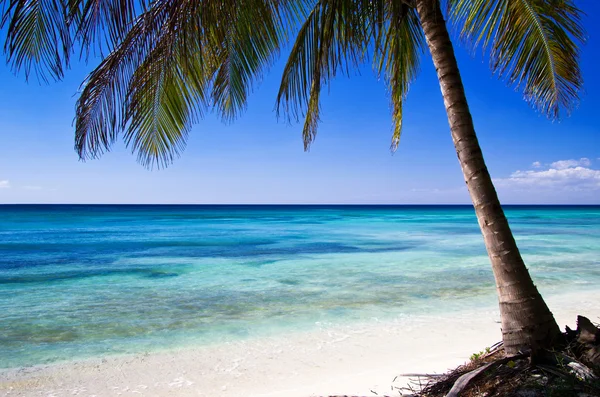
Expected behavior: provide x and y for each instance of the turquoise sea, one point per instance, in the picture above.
(79, 281)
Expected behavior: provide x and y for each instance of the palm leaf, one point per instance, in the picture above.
(246, 36)
(42, 34)
(333, 37)
(532, 43)
(166, 95)
(104, 23)
(38, 37)
(157, 81)
(100, 112)
(397, 54)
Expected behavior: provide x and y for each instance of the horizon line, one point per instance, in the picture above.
(290, 204)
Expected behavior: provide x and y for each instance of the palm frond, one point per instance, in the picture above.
(397, 55)
(334, 36)
(38, 37)
(103, 24)
(534, 44)
(157, 81)
(166, 95)
(100, 111)
(246, 36)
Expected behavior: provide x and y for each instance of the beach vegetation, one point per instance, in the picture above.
(478, 355)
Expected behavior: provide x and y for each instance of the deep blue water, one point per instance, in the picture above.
(79, 280)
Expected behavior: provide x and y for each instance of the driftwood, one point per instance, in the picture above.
(581, 371)
(421, 375)
(588, 338)
(562, 365)
(464, 380)
(587, 332)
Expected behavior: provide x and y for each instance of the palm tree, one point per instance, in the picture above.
(532, 43)
(169, 61)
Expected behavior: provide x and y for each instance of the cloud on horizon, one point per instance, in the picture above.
(564, 164)
(562, 175)
(4, 184)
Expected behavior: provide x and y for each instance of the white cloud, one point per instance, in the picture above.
(584, 161)
(4, 184)
(564, 164)
(536, 164)
(567, 175)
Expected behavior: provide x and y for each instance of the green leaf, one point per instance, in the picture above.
(102, 24)
(532, 43)
(100, 110)
(245, 38)
(176, 60)
(334, 36)
(397, 54)
(38, 37)
(163, 100)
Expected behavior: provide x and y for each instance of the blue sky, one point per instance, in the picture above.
(258, 159)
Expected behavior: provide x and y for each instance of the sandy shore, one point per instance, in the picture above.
(362, 359)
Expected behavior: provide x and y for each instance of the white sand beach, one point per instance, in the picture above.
(356, 360)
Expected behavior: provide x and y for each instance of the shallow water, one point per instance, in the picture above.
(81, 281)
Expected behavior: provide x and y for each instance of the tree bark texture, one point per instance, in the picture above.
(526, 320)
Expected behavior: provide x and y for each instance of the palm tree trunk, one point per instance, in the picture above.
(527, 323)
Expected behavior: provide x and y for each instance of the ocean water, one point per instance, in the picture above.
(84, 281)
